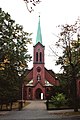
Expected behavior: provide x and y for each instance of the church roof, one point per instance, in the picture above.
(50, 79)
(30, 83)
(39, 35)
(47, 83)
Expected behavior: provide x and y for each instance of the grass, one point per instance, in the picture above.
(26, 103)
(67, 113)
(71, 113)
(53, 106)
(15, 105)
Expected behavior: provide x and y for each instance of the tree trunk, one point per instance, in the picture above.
(74, 85)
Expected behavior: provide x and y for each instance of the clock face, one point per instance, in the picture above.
(38, 69)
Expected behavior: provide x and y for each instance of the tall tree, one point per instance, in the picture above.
(13, 55)
(70, 60)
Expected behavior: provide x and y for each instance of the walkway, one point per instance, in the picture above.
(34, 111)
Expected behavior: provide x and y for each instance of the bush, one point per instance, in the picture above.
(59, 100)
(70, 102)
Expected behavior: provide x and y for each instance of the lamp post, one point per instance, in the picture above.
(21, 94)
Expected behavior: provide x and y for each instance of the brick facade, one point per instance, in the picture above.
(40, 80)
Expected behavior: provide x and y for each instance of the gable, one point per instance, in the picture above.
(28, 75)
(50, 78)
(30, 83)
(39, 44)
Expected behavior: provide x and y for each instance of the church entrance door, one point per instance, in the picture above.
(38, 93)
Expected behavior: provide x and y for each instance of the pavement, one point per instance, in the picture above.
(36, 110)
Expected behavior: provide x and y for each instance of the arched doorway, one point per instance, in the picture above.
(38, 93)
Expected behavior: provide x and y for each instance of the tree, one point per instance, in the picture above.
(70, 60)
(13, 55)
(30, 4)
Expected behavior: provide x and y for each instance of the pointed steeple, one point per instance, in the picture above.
(39, 36)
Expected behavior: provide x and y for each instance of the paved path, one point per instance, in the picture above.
(34, 111)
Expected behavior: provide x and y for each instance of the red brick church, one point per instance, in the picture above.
(39, 80)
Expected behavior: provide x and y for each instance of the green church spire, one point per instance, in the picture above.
(39, 36)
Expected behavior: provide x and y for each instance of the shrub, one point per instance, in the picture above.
(59, 100)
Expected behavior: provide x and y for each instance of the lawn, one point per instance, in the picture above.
(66, 113)
(15, 105)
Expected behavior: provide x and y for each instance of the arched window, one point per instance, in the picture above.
(47, 90)
(38, 77)
(36, 56)
(29, 89)
(40, 57)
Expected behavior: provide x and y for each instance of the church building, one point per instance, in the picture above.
(39, 80)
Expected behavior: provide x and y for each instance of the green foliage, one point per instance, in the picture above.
(13, 43)
(14, 55)
(71, 48)
(59, 100)
(70, 60)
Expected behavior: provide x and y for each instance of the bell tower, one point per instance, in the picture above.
(38, 60)
(40, 80)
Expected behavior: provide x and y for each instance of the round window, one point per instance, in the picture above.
(38, 69)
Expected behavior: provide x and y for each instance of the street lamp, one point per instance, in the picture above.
(21, 101)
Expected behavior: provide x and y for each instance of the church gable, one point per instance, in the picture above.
(39, 44)
(40, 87)
(28, 75)
(38, 84)
(51, 78)
(30, 83)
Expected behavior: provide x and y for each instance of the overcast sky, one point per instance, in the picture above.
(52, 12)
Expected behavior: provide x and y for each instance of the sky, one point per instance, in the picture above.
(52, 13)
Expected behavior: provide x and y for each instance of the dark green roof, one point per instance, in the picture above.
(39, 36)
